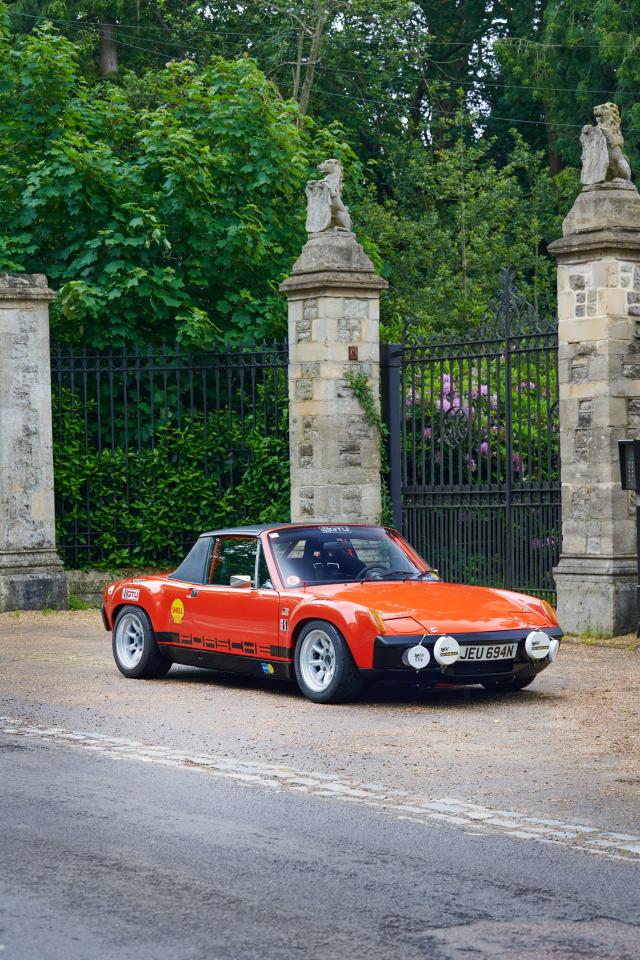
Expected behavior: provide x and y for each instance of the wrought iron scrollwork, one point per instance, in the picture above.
(455, 427)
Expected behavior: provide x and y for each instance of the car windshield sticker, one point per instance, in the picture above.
(274, 536)
(292, 581)
(177, 610)
(128, 593)
(335, 529)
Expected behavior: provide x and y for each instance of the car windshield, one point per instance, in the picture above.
(340, 554)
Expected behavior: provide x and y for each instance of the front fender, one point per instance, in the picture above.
(352, 620)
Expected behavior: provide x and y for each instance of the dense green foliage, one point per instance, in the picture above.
(143, 506)
(153, 159)
(153, 156)
(162, 207)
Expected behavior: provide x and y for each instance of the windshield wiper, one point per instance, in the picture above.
(390, 575)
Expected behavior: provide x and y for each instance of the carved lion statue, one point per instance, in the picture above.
(602, 156)
(325, 209)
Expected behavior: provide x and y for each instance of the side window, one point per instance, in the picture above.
(232, 556)
(264, 577)
(195, 565)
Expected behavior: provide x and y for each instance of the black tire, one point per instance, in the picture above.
(346, 683)
(150, 663)
(508, 686)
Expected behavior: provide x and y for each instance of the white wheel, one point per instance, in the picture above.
(129, 640)
(325, 669)
(317, 660)
(135, 650)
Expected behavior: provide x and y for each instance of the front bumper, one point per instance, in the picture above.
(388, 650)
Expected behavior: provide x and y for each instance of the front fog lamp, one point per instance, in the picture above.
(417, 657)
(446, 651)
(537, 645)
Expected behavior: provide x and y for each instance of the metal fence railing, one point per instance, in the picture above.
(139, 433)
(473, 423)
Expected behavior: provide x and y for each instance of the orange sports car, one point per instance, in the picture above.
(329, 606)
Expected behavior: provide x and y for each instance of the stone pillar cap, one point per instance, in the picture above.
(25, 286)
(333, 258)
(604, 206)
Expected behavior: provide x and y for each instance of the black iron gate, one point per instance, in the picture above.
(473, 446)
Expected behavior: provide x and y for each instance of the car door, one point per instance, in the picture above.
(238, 621)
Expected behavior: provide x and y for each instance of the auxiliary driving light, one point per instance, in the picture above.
(554, 646)
(537, 645)
(417, 657)
(446, 651)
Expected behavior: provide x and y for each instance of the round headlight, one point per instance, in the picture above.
(446, 651)
(417, 657)
(537, 645)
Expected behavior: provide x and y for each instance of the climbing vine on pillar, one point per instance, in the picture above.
(361, 389)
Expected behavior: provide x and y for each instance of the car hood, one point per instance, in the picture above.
(439, 607)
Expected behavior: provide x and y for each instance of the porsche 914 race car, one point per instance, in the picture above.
(327, 605)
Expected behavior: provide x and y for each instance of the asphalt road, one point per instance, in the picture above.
(566, 747)
(105, 858)
(212, 816)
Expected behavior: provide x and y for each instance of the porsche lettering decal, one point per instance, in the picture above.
(222, 645)
(177, 610)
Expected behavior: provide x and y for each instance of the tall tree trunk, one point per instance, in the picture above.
(314, 55)
(556, 161)
(108, 49)
(299, 52)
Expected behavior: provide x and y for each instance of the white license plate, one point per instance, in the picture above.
(489, 651)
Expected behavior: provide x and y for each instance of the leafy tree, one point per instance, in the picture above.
(570, 57)
(167, 205)
(456, 216)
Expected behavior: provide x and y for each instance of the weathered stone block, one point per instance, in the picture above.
(580, 371)
(303, 330)
(302, 390)
(356, 309)
(584, 413)
(349, 329)
(310, 309)
(350, 453)
(305, 454)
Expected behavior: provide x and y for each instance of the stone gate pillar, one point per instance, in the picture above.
(599, 373)
(31, 573)
(333, 296)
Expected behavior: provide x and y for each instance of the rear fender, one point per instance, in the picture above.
(148, 598)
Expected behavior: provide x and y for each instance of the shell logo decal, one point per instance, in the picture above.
(177, 610)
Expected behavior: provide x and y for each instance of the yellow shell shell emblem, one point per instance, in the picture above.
(177, 611)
